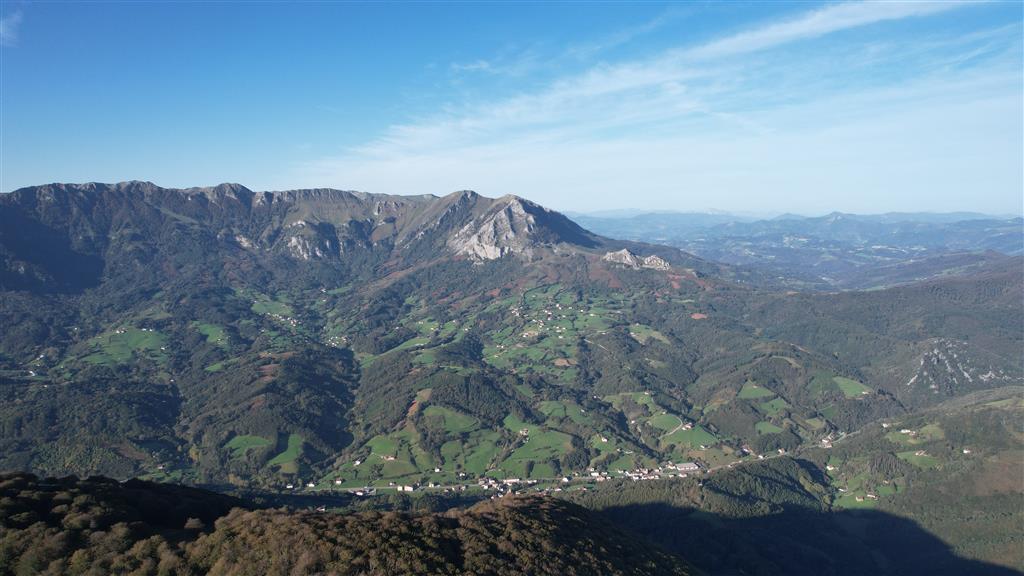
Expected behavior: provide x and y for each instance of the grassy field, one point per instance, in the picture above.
(539, 447)
(767, 428)
(921, 461)
(121, 346)
(214, 334)
(849, 501)
(694, 437)
(264, 305)
(640, 398)
(239, 445)
(851, 388)
(815, 423)
(382, 446)
(454, 422)
(665, 422)
(773, 407)
(479, 457)
(565, 409)
(412, 343)
(644, 334)
(286, 459)
(752, 391)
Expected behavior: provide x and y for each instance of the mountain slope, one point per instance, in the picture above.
(347, 339)
(934, 492)
(67, 526)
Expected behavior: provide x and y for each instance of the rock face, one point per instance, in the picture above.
(509, 227)
(626, 258)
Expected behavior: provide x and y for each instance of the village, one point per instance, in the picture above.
(507, 486)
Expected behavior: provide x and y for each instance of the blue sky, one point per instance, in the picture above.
(751, 107)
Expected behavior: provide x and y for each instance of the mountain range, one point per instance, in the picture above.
(322, 342)
(835, 251)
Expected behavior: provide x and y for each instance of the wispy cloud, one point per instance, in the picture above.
(818, 23)
(510, 62)
(618, 38)
(698, 119)
(474, 66)
(9, 28)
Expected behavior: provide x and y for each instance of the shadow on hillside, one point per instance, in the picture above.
(799, 542)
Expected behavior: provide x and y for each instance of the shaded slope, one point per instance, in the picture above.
(100, 526)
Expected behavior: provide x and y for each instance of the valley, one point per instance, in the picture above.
(349, 350)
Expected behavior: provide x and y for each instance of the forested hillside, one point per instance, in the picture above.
(322, 340)
(98, 526)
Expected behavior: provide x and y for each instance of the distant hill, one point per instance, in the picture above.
(844, 251)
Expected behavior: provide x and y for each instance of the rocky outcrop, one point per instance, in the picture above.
(655, 263)
(626, 258)
(623, 257)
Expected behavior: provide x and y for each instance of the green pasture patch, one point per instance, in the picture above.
(552, 408)
(773, 407)
(851, 388)
(454, 422)
(643, 334)
(120, 348)
(478, 457)
(814, 423)
(829, 411)
(427, 357)
(767, 428)
(239, 445)
(665, 422)
(287, 458)
(921, 461)
(849, 501)
(751, 391)
(931, 432)
(626, 462)
(214, 333)
(264, 305)
(538, 448)
(694, 437)
(515, 424)
(603, 447)
(887, 489)
(641, 398)
(398, 468)
(382, 445)
(411, 343)
(525, 390)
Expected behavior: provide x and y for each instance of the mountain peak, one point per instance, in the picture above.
(511, 225)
